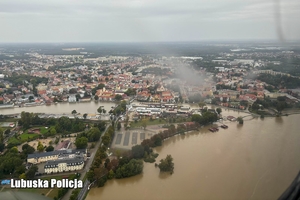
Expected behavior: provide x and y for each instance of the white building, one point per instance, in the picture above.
(64, 165)
(36, 158)
(72, 98)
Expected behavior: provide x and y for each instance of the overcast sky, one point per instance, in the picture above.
(147, 20)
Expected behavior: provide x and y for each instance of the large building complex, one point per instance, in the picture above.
(36, 158)
(64, 165)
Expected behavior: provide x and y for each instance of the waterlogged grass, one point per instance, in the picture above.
(159, 121)
(148, 122)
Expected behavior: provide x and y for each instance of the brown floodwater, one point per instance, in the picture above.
(60, 108)
(256, 160)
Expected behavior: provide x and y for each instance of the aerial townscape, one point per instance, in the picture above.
(98, 112)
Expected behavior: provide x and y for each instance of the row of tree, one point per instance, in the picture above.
(280, 81)
(279, 104)
(63, 125)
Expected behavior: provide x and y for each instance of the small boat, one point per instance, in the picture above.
(213, 129)
(224, 126)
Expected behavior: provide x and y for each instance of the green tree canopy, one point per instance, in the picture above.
(81, 143)
(49, 148)
(166, 164)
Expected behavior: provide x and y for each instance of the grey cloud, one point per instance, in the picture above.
(144, 20)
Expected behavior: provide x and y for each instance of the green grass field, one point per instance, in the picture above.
(53, 193)
(22, 138)
(149, 122)
(44, 130)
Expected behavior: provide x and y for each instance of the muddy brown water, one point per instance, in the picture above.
(256, 160)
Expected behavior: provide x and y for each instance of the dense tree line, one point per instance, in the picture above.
(93, 134)
(280, 81)
(2, 145)
(206, 118)
(11, 163)
(18, 79)
(279, 104)
(97, 171)
(120, 108)
(132, 168)
(122, 167)
(63, 125)
(157, 139)
(63, 191)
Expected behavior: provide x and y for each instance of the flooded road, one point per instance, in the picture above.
(256, 160)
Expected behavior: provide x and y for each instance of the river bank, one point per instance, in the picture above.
(60, 108)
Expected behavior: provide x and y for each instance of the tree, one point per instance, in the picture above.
(138, 151)
(52, 131)
(166, 164)
(93, 134)
(201, 104)
(22, 176)
(31, 172)
(49, 148)
(219, 110)
(118, 97)
(132, 168)
(119, 126)
(31, 98)
(90, 175)
(74, 112)
(111, 174)
(100, 110)
(7, 131)
(27, 149)
(100, 172)
(40, 147)
(240, 120)
(85, 115)
(280, 106)
(81, 143)
(96, 98)
(144, 124)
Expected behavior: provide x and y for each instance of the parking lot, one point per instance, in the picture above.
(127, 139)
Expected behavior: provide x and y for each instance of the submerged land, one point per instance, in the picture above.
(156, 91)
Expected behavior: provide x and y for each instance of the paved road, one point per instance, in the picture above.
(87, 167)
(83, 190)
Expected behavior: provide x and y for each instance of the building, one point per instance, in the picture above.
(36, 158)
(72, 98)
(63, 145)
(64, 165)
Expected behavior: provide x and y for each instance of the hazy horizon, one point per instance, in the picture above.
(119, 21)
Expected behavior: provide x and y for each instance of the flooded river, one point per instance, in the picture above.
(256, 160)
(60, 108)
